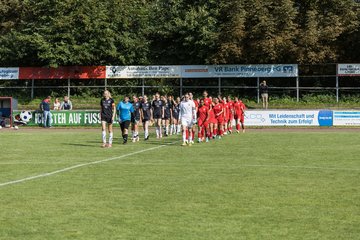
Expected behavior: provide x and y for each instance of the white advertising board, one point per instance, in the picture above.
(9, 73)
(238, 71)
(288, 118)
(346, 118)
(143, 71)
(348, 69)
(202, 71)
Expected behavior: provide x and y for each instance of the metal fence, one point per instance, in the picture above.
(322, 81)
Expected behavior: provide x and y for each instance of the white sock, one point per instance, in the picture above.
(184, 136)
(110, 138)
(190, 136)
(104, 136)
(171, 129)
(146, 133)
(157, 131)
(178, 128)
(167, 130)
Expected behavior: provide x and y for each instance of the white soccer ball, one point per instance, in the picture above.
(16, 128)
(0, 127)
(25, 116)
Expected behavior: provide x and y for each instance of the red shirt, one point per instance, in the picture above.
(231, 107)
(196, 104)
(207, 102)
(239, 107)
(217, 109)
(202, 113)
(211, 114)
(243, 107)
(226, 109)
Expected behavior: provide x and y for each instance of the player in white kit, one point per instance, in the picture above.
(187, 117)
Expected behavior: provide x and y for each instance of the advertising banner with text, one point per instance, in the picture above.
(64, 118)
(9, 73)
(143, 72)
(289, 118)
(346, 118)
(239, 71)
(275, 118)
(348, 69)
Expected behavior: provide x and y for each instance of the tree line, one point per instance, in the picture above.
(125, 32)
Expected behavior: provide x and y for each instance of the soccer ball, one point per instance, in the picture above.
(25, 116)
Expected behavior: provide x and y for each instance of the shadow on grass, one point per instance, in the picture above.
(79, 144)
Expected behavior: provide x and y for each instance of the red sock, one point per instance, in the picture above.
(200, 133)
(215, 131)
(238, 127)
(187, 134)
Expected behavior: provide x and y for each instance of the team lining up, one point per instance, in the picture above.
(211, 118)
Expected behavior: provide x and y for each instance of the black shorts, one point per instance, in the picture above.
(167, 117)
(125, 125)
(107, 119)
(145, 120)
(135, 119)
(157, 116)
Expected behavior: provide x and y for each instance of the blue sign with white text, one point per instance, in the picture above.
(325, 118)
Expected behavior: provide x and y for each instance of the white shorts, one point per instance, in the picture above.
(186, 122)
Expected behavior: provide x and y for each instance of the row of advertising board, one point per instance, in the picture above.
(164, 71)
(159, 71)
(260, 118)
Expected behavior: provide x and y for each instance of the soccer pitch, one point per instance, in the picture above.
(264, 184)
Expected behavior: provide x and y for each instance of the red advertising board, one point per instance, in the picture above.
(77, 72)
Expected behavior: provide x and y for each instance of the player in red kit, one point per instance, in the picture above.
(219, 115)
(202, 123)
(230, 114)
(212, 123)
(239, 108)
(207, 100)
(226, 114)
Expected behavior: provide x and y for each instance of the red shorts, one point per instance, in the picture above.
(202, 123)
(239, 117)
(213, 120)
(231, 117)
(220, 120)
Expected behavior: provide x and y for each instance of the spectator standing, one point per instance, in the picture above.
(66, 104)
(57, 104)
(264, 91)
(45, 107)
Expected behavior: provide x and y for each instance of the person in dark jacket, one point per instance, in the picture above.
(45, 107)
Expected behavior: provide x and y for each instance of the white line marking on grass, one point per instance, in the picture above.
(301, 167)
(241, 166)
(81, 165)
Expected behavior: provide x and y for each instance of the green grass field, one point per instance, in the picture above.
(264, 184)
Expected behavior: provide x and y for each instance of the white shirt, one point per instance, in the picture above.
(187, 110)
